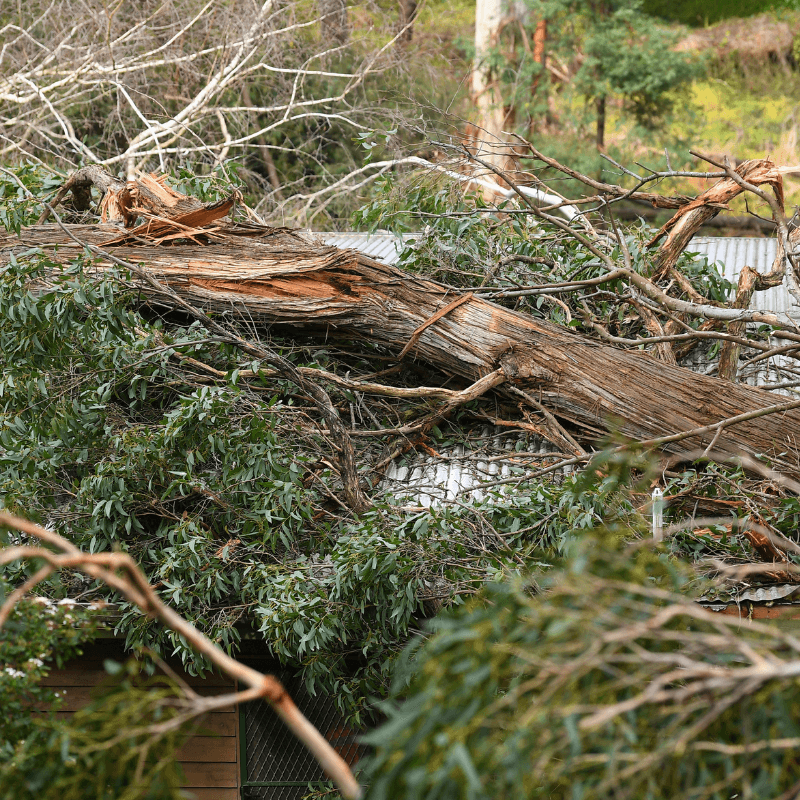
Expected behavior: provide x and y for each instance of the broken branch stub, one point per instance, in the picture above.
(689, 218)
(163, 209)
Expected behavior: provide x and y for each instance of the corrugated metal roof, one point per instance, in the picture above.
(428, 480)
(756, 594)
(385, 247)
(765, 594)
(734, 253)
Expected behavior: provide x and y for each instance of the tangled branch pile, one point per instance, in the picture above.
(222, 399)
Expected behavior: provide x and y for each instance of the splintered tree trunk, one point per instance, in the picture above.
(287, 279)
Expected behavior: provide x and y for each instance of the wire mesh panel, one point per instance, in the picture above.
(276, 765)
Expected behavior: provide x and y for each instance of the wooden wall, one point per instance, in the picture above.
(210, 762)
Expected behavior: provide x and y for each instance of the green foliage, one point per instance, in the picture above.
(214, 186)
(120, 746)
(223, 494)
(17, 207)
(627, 54)
(697, 12)
(546, 695)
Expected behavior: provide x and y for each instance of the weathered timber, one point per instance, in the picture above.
(149, 197)
(289, 279)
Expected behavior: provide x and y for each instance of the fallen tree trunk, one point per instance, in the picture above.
(285, 278)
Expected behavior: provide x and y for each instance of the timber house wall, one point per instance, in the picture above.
(210, 763)
(245, 752)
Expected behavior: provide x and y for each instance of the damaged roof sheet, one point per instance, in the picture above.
(458, 472)
(731, 255)
(735, 252)
(382, 246)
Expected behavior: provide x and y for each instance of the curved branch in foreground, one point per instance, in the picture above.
(120, 572)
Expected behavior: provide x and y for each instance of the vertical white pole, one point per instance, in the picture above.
(658, 513)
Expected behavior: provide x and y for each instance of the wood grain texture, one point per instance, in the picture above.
(94, 677)
(217, 724)
(288, 279)
(209, 749)
(211, 724)
(223, 775)
(214, 794)
(209, 759)
(76, 697)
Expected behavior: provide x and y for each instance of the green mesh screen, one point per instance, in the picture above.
(276, 765)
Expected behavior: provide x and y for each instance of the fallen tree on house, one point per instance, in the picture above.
(329, 334)
(245, 271)
(220, 401)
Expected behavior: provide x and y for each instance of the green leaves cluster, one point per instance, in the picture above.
(17, 207)
(502, 700)
(629, 55)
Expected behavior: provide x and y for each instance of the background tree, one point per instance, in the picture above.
(277, 88)
(625, 54)
(491, 114)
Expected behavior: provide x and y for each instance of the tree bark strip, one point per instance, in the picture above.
(287, 279)
(750, 281)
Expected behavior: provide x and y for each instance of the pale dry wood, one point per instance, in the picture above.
(691, 216)
(750, 281)
(120, 573)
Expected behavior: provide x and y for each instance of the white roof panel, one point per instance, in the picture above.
(735, 252)
(384, 247)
